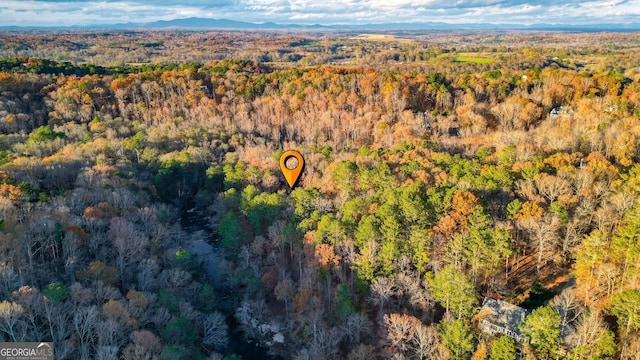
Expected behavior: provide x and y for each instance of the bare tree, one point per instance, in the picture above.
(85, 321)
(106, 352)
(356, 327)
(589, 328)
(324, 343)
(12, 321)
(382, 289)
(8, 280)
(544, 236)
(130, 245)
(425, 342)
(144, 346)
(507, 114)
(551, 186)
(57, 319)
(362, 352)
(400, 330)
(567, 306)
(174, 279)
(215, 330)
(284, 291)
(147, 276)
(32, 302)
(110, 333)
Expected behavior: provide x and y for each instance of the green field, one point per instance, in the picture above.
(477, 60)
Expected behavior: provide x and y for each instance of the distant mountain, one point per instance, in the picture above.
(207, 23)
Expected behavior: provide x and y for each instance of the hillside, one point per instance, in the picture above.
(144, 215)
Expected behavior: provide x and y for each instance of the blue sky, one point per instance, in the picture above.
(326, 12)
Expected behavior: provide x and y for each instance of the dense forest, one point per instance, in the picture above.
(143, 214)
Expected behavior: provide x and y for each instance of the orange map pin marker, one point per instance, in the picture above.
(291, 175)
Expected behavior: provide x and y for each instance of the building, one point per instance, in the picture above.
(500, 317)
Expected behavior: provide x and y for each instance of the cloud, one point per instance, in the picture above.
(80, 12)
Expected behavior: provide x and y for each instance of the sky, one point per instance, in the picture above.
(325, 12)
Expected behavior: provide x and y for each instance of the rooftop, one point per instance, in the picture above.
(500, 317)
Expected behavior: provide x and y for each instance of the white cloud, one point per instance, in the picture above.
(81, 12)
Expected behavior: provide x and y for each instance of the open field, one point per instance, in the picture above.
(380, 37)
(473, 59)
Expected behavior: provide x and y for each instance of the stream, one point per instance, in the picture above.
(207, 248)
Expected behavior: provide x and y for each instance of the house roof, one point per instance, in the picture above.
(500, 314)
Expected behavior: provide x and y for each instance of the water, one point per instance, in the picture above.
(193, 222)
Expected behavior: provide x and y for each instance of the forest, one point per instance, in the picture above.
(143, 214)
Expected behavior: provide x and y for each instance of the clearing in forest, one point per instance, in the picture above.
(379, 37)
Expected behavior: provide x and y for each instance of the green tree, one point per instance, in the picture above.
(418, 247)
(391, 223)
(234, 175)
(174, 353)
(485, 247)
(344, 305)
(352, 211)
(625, 247)
(503, 349)
(625, 306)
(44, 134)
(330, 230)
(344, 174)
(55, 292)
(453, 290)
(304, 201)
(457, 337)
(185, 260)
(413, 204)
(542, 328)
(168, 300)
(368, 229)
(231, 234)
(261, 209)
(180, 332)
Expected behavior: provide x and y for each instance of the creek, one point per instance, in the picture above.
(208, 249)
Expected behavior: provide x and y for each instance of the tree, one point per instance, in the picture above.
(457, 337)
(382, 289)
(625, 306)
(454, 291)
(542, 328)
(625, 248)
(144, 346)
(595, 341)
(85, 322)
(215, 330)
(551, 186)
(343, 303)
(284, 291)
(12, 321)
(485, 247)
(590, 256)
(503, 349)
(356, 327)
(56, 293)
(400, 330)
(425, 341)
(180, 332)
(567, 307)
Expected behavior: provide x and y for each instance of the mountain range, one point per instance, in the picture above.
(226, 24)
